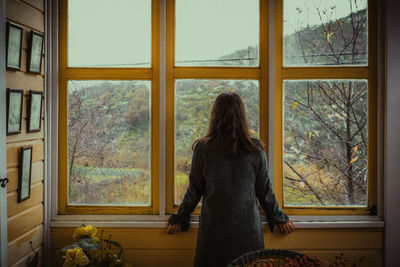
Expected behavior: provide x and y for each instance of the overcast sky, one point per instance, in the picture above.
(109, 32)
(118, 32)
(209, 29)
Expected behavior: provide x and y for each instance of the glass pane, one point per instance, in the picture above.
(109, 143)
(193, 103)
(106, 33)
(216, 33)
(325, 32)
(325, 145)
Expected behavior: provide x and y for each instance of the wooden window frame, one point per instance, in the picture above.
(172, 73)
(368, 73)
(71, 73)
(260, 73)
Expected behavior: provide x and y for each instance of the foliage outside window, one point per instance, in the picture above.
(326, 101)
(193, 103)
(109, 79)
(109, 141)
(325, 143)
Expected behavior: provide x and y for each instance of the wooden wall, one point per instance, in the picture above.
(153, 247)
(25, 219)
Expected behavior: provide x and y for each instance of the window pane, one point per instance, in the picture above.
(106, 33)
(325, 143)
(327, 32)
(193, 103)
(109, 143)
(216, 33)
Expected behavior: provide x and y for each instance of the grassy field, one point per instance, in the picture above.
(92, 185)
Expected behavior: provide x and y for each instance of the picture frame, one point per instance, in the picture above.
(14, 110)
(13, 46)
(35, 52)
(25, 173)
(34, 111)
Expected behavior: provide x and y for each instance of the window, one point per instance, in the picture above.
(325, 99)
(227, 35)
(326, 93)
(115, 34)
(325, 139)
(109, 82)
(109, 159)
(193, 103)
(322, 33)
(222, 53)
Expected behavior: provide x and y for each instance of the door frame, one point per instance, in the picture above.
(3, 170)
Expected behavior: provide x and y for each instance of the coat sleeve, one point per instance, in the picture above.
(266, 195)
(193, 194)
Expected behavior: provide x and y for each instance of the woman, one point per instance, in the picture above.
(229, 170)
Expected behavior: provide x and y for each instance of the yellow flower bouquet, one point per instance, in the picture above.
(90, 250)
(84, 231)
(74, 257)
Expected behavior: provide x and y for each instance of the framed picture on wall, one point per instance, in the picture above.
(25, 172)
(14, 110)
(35, 53)
(14, 46)
(34, 111)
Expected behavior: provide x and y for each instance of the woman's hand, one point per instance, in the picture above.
(173, 228)
(286, 227)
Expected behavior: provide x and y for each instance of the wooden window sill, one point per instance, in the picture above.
(155, 221)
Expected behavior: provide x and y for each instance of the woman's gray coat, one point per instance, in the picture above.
(230, 221)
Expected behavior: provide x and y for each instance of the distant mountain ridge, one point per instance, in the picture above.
(339, 28)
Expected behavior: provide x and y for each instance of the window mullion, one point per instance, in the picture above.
(326, 73)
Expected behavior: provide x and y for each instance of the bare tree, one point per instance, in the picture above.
(326, 132)
(325, 124)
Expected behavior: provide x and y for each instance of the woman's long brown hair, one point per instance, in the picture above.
(228, 129)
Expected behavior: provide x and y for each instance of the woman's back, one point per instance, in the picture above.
(230, 183)
(229, 170)
(230, 222)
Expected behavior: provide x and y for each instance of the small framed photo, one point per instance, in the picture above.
(34, 111)
(35, 53)
(25, 172)
(14, 110)
(14, 46)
